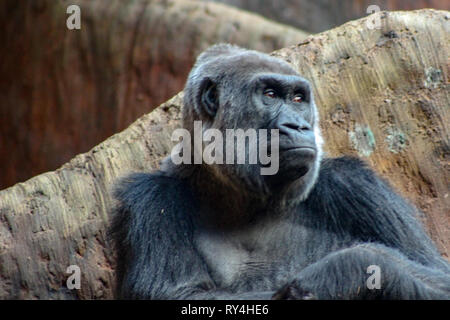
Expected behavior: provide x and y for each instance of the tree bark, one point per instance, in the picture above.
(382, 94)
(64, 91)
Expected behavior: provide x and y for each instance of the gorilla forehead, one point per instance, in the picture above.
(240, 64)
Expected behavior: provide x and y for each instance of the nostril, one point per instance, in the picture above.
(305, 128)
(292, 126)
(297, 127)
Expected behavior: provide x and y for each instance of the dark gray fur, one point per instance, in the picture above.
(224, 232)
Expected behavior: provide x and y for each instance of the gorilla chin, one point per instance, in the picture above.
(295, 163)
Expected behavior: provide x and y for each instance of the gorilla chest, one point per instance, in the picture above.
(257, 253)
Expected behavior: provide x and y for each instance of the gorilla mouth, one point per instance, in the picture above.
(293, 148)
(305, 152)
(298, 148)
(293, 154)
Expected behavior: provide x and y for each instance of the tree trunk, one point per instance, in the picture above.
(382, 94)
(64, 91)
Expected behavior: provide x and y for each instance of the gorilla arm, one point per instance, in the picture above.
(350, 201)
(354, 201)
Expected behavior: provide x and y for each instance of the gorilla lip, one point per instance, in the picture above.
(298, 148)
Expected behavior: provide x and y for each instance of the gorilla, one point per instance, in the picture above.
(320, 228)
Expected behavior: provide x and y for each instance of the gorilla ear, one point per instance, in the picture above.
(209, 98)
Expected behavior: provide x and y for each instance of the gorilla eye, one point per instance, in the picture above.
(270, 93)
(298, 98)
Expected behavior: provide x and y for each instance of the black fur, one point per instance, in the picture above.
(192, 232)
(354, 219)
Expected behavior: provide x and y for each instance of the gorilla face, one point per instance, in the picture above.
(234, 88)
(286, 100)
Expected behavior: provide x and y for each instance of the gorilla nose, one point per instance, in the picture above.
(297, 133)
(287, 126)
(296, 130)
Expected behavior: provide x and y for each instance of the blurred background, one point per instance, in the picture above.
(64, 91)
